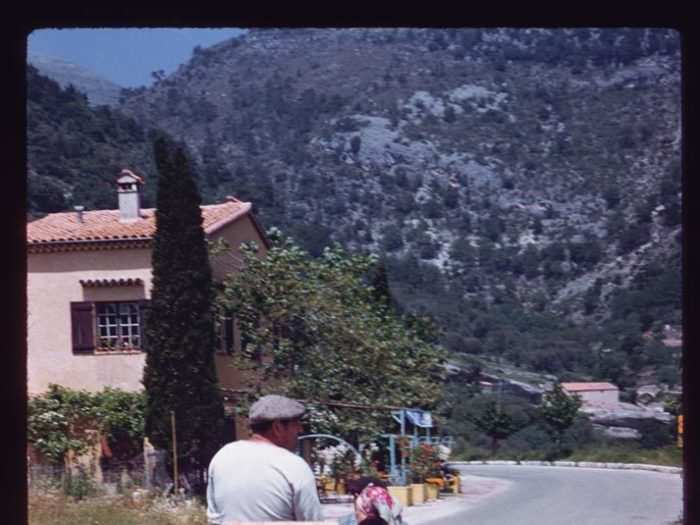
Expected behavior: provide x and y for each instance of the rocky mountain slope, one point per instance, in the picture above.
(98, 90)
(522, 185)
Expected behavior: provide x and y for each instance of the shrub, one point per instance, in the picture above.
(424, 460)
(58, 419)
(392, 238)
(655, 434)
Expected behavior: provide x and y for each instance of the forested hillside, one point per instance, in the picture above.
(75, 152)
(522, 186)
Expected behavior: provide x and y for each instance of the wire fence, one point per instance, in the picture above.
(81, 480)
(88, 476)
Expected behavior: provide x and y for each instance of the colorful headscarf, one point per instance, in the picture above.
(376, 501)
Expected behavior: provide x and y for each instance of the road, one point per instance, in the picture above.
(532, 495)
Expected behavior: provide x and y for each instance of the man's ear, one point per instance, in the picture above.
(276, 428)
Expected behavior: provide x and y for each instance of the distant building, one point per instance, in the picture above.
(595, 395)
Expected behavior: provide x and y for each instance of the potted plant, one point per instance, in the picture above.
(422, 462)
(342, 466)
(434, 480)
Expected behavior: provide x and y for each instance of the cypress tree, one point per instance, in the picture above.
(180, 374)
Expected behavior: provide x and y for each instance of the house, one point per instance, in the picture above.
(594, 395)
(89, 283)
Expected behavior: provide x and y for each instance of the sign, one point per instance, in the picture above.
(420, 418)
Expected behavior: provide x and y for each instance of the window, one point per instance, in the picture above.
(108, 326)
(226, 332)
(118, 325)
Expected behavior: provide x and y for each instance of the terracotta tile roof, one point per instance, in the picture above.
(582, 387)
(104, 225)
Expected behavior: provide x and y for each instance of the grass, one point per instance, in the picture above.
(603, 453)
(53, 508)
(669, 456)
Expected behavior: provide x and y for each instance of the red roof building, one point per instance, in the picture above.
(89, 284)
(594, 395)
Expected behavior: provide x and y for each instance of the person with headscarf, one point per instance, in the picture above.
(373, 503)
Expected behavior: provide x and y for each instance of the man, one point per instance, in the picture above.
(261, 479)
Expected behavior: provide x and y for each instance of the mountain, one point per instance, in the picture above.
(521, 185)
(98, 90)
(75, 151)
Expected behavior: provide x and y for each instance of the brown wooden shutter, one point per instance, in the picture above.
(83, 327)
(228, 333)
(144, 312)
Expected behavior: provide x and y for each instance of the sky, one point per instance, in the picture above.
(125, 56)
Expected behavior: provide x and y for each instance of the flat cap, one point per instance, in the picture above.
(269, 408)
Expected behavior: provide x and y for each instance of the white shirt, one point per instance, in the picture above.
(259, 481)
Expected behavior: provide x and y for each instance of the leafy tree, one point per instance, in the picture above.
(432, 209)
(392, 238)
(462, 252)
(672, 214)
(592, 296)
(612, 196)
(180, 376)
(47, 194)
(449, 115)
(315, 330)
(405, 202)
(74, 149)
(355, 144)
(537, 226)
(451, 199)
(633, 237)
(428, 248)
(559, 411)
(493, 227)
(530, 261)
(585, 253)
(497, 418)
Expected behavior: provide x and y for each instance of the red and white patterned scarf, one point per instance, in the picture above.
(376, 501)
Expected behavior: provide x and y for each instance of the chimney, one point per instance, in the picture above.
(79, 212)
(129, 197)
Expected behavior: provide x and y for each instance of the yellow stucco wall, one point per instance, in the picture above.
(244, 231)
(53, 282)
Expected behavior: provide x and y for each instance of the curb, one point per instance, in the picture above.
(584, 464)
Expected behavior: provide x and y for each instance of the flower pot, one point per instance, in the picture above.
(432, 491)
(329, 485)
(417, 493)
(455, 485)
(401, 494)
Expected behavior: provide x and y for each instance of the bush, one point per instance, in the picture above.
(392, 238)
(532, 438)
(633, 237)
(58, 418)
(655, 434)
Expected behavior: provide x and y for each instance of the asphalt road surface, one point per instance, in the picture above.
(531, 495)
